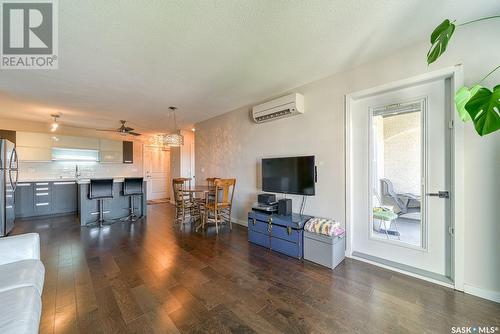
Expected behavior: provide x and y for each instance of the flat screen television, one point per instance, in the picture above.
(292, 175)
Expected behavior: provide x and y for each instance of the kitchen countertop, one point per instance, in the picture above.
(58, 179)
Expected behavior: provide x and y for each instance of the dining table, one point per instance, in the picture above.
(194, 189)
(199, 189)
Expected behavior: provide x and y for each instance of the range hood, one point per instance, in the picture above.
(74, 154)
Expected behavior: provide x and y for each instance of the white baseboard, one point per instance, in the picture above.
(239, 222)
(486, 294)
(404, 272)
(472, 290)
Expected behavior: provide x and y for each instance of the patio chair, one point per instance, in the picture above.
(386, 217)
(402, 200)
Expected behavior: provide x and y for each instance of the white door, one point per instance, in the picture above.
(400, 155)
(157, 172)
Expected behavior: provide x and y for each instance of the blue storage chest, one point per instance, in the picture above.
(284, 234)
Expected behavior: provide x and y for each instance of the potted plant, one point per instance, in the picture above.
(477, 103)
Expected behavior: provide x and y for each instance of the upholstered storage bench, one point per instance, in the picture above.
(283, 234)
(327, 248)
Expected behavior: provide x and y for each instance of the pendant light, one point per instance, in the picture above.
(54, 126)
(173, 139)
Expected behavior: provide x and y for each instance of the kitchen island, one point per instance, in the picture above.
(114, 208)
(56, 196)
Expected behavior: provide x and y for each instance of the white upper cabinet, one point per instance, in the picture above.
(111, 151)
(110, 145)
(26, 153)
(33, 146)
(33, 139)
(84, 143)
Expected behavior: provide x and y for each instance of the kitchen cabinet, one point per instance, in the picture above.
(24, 200)
(64, 197)
(33, 146)
(9, 135)
(34, 153)
(128, 152)
(110, 151)
(43, 198)
(84, 143)
(42, 147)
(33, 139)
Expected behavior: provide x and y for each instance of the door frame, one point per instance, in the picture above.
(457, 200)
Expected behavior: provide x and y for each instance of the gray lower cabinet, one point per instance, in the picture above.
(45, 198)
(64, 197)
(24, 200)
(52, 198)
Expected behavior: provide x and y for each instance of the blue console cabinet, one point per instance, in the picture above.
(284, 234)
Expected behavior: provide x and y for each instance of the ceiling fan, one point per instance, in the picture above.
(123, 130)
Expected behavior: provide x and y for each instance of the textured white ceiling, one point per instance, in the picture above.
(132, 59)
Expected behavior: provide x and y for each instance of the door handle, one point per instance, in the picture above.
(13, 184)
(14, 154)
(440, 194)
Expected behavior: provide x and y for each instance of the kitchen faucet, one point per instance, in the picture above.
(77, 173)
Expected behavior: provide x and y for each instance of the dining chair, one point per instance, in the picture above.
(211, 182)
(209, 197)
(184, 202)
(222, 204)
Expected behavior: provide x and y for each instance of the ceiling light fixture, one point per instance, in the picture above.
(173, 139)
(156, 141)
(54, 126)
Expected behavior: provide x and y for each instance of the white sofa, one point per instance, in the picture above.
(21, 284)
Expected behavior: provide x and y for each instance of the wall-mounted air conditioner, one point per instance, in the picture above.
(285, 106)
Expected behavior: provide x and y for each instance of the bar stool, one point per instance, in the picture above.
(132, 187)
(100, 189)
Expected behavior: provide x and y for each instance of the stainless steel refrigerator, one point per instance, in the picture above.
(8, 181)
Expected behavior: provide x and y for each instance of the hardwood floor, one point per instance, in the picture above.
(153, 277)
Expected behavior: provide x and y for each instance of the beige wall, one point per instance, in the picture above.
(231, 145)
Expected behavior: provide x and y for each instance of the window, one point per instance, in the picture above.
(397, 173)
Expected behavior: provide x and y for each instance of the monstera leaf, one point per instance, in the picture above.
(439, 40)
(462, 96)
(484, 109)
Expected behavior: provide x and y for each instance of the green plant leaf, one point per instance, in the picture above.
(462, 96)
(484, 109)
(439, 40)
